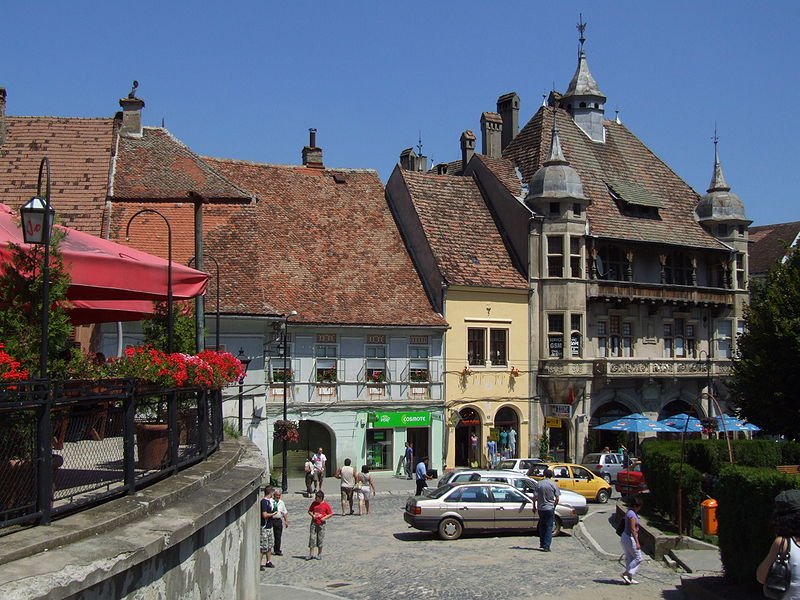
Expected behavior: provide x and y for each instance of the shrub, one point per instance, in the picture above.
(745, 496)
(790, 453)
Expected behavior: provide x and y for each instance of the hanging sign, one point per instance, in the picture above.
(562, 411)
(552, 422)
(402, 419)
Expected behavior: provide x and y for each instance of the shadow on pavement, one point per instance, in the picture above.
(413, 536)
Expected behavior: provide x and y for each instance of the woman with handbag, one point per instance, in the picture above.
(779, 572)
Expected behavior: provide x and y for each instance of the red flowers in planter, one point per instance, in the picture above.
(208, 369)
(10, 368)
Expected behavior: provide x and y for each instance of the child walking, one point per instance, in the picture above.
(319, 511)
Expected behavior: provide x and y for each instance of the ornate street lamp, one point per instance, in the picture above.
(284, 451)
(170, 324)
(37, 225)
(246, 363)
(216, 320)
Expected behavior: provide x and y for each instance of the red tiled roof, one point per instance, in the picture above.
(329, 250)
(461, 231)
(505, 171)
(79, 152)
(769, 243)
(159, 166)
(623, 157)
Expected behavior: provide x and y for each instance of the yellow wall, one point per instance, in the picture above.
(488, 388)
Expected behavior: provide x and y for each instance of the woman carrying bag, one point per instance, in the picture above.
(778, 571)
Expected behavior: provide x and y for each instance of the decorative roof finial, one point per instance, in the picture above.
(581, 26)
(718, 182)
(419, 144)
(616, 116)
(132, 93)
(556, 154)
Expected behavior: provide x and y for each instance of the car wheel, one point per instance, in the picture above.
(602, 496)
(556, 526)
(607, 477)
(450, 529)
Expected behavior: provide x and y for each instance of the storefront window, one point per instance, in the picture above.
(379, 448)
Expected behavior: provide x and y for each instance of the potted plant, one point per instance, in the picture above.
(281, 375)
(418, 376)
(326, 376)
(286, 430)
(376, 376)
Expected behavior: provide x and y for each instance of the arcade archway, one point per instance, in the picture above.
(468, 437)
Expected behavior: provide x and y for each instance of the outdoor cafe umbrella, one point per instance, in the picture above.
(733, 424)
(636, 423)
(102, 270)
(683, 422)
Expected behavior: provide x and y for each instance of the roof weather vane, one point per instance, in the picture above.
(419, 143)
(581, 26)
(716, 137)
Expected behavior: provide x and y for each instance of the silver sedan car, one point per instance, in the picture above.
(452, 509)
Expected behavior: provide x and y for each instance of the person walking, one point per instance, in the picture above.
(366, 489)
(409, 459)
(421, 474)
(347, 476)
(786, 522)
(267, 537)
(280, 521)
(547, 496)
(311, 479)
(630, 542)
(320, 461)
(319, 511)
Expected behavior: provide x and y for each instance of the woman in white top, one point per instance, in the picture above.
(786, 520)
(366, 489)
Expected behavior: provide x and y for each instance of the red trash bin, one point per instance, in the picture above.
(708, 516)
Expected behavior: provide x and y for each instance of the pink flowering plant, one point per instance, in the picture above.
(208, 369)
(286, 430)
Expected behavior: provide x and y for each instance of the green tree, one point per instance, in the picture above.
(21, 302)
(183, 332)
(766, 369)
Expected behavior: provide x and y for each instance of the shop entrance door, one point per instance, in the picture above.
(418, 436)
(468, 425)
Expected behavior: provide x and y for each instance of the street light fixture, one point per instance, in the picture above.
(37, 224)
(284, 450)
(170, 324)
(246, 363)
(216, 319)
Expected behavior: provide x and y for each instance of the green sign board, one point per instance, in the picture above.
(401, 419)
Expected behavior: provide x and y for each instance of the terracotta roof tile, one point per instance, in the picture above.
(461, 231)
(505, 171)
(769, 243)
(79, 152)
(622, 157)
(158, 165)
(330, 250)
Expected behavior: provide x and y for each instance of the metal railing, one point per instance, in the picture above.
(69, 445)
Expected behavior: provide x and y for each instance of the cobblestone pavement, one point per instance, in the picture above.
(378, 556)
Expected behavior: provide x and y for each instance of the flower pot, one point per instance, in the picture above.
(152, 443)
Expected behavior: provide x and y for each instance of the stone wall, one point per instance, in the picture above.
(193, 535)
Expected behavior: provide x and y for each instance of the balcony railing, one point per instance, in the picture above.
(69, 445)
(631, 291)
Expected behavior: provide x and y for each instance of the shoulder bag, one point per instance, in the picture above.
(779, 577)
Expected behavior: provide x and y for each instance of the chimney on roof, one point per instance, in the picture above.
(491, 132)
(411, 161)
(467, 148)
(131, 114)
(312, 156)
(508, 107)
(2, 115)
(441, 169)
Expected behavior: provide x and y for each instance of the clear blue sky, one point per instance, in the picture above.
(247, 79)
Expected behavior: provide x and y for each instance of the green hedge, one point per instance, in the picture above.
(790, 453)
(663, 471)
(745, 496)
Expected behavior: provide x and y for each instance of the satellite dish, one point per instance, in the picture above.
(598, 263)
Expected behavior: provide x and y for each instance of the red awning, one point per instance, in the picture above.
(83, 312)
(104, 270)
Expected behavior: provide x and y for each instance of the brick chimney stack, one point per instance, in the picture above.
(2, 115)
(312, 156)
(467, 148)
(131, 114)
(491, 132)
(508, 107)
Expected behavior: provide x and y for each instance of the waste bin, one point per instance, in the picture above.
(708, 516)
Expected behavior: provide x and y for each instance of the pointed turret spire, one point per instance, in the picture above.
(583, 98)
(556, 156)
(718, 183)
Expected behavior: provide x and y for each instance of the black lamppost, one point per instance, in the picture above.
(37, 223)
(246, 363)
(216, 319)
(170, 324)
(284, 451)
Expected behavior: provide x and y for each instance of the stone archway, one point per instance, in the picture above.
(470, 423)
(608, 411)
(677, 407)
(313, 435)
(506, 420)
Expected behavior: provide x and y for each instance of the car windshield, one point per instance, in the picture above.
(590, 458)
(441, 491)
(506, 464)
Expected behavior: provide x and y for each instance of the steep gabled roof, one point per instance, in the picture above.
(769, 244)
(461, 231)
(79, 151)
(159, 166)
(505, 171)
(622, 158)
(322, 242)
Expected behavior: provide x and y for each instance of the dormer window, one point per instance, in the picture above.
(633, 200)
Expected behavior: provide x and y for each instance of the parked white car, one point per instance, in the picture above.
(521, 465)
(523, 483)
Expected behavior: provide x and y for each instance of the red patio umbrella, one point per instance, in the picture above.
(102, 270)
(83, 312)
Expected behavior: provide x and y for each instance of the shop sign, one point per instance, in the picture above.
(402, 419)
(553, 422)
(562, 411)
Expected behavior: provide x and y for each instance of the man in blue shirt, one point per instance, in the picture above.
(421, 473)
(547, 495)
(409, 458)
